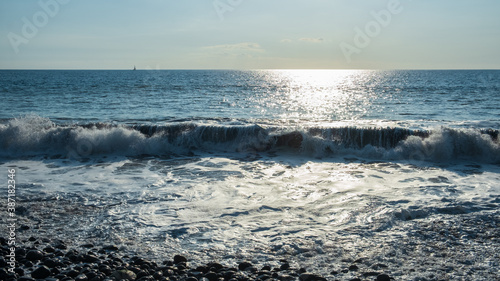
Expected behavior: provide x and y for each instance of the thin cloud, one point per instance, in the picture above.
(312, 40)
(239, 47)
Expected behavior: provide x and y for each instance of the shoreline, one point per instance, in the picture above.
(54, 260)
(454, 246)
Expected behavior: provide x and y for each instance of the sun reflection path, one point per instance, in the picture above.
(319, 95)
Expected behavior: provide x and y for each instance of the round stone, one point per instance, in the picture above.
(383, 277)
(34, 255)
(41, 273)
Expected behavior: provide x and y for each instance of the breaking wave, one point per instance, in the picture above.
(34, 135)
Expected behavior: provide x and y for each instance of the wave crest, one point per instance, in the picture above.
(33, 135)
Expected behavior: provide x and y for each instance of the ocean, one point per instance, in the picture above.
(398, 170)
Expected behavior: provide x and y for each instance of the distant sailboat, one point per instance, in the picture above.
(134, 68)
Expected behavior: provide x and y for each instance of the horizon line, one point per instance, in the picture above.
(244, 69)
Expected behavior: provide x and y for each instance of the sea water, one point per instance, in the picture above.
(319, 167)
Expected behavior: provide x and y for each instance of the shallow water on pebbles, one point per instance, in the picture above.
(322, 214)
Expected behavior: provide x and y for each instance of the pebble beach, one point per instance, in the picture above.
(454, 246)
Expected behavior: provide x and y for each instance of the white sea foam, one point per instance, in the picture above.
(290, 205)
(35, 135)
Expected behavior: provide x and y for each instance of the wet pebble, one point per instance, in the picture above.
(90, 258)
(383, 277)
(124, 275)
(34, 255)
(244, 265)
(41, 272)
(81, 277)
(212, 276)
(49, 249)
(179, 259)
(353, 267)
(84, 265)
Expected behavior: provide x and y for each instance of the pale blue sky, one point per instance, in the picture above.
(241, 34)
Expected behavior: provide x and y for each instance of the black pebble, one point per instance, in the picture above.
(19, 271)
(285, 266)
(228, 275)
(142, 273)
(105, 269)
(72, 273)
(41, 272)
(215, 267)
(20, 252)
(310, 277)
(34, 255)
(383, 277)
(59, 244)
(244, 265)
(89, 258)
(202, 269)
(55, 271)
(81, 277)
(50, 263)
(49, 249)
(353, 267)
(212, 276)
(4, 275)
(91, 274)
(24, 227)
(179, 259)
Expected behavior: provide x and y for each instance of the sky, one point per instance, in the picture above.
(250, 34)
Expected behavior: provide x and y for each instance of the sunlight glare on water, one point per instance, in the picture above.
(320, 95)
